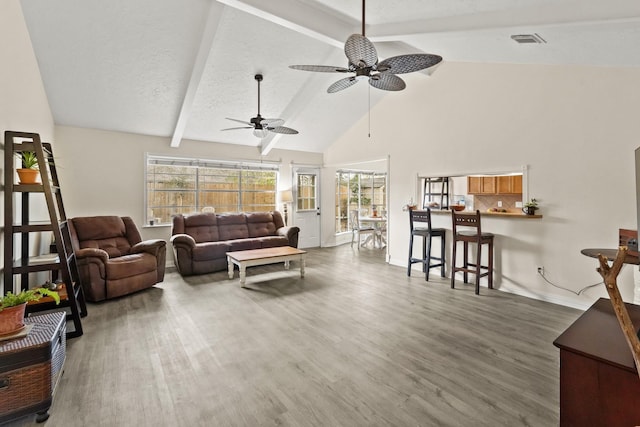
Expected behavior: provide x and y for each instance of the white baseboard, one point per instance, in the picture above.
(554, 299)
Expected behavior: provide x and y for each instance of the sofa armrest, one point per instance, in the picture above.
(153, 247)
(87, 256)
(86, 253)
(157, 248)
(183, 246)
(183, 240)
(291, 233)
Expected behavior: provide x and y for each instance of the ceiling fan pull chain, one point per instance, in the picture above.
(369, 110)
(258, 79)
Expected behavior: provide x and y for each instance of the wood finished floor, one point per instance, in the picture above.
(354, 343)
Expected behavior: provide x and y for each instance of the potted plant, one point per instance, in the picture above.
(28, 172)
(12, 308)
(530, 207)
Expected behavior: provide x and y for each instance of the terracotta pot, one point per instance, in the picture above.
(12, 319)
(28, 176)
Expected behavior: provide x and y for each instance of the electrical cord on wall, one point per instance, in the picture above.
(541, 273)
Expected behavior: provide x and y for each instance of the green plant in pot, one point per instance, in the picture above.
(28, 172)
(12, 308)
(530, 207)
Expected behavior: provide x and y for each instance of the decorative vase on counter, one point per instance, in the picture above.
(530, 210)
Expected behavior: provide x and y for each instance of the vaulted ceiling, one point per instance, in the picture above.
(178, 68)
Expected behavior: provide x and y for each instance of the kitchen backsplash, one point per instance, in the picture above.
(482, 203)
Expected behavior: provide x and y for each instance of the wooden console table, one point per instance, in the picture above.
(599, 384)
(610, 254)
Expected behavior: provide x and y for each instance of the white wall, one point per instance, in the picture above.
(575, 127)
(102, 173)
(23, 102)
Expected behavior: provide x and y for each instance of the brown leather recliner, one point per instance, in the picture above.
(112, 258)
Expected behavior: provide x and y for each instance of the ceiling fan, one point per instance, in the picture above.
(363, 61)
(262, 127)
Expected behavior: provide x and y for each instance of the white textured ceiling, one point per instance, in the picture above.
(177, 68)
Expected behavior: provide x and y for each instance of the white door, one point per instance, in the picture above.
(306, 206)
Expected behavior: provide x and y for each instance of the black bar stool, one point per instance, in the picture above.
(427, 233)
(471, 233)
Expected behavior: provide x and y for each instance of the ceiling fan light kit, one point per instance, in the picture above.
(363, 61)
(263, 127)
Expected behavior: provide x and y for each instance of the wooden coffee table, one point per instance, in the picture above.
(253, 257)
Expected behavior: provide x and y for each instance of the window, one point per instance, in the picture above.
(306, 198)
(180, 185)
(363, 191)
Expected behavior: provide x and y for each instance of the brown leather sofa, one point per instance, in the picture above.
(112, 258)
(201, 241)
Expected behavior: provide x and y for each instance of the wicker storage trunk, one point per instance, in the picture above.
(31, 366)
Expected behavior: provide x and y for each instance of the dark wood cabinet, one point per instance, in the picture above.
(599, 383)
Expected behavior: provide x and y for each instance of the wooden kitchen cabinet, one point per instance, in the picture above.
(509, 184)
(474, 185)
(481, 184)
(499, 184)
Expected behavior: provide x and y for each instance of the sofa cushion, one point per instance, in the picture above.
(105, 232)
(98, 228)
(232, 226)
(274, 241)
(261, 224)
(210, 250)
(202, 227)
(244, 244)
(131, 265)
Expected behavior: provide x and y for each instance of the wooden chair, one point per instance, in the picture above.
(357, 230)
(427, 233)
(471, 233)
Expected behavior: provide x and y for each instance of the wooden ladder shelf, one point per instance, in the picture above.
(22, 264)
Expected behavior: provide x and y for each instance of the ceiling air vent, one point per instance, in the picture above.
(528, 38)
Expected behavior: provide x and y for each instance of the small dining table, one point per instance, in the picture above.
(379, 223)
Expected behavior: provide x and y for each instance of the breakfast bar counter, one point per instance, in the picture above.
(493, 214)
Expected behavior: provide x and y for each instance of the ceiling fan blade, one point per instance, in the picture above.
(408, 63)
(243, 127)
(342, 84)
(320, 68)
(360, 51)
(239, 121)
(386, 81)
(272, 122)
(283, 129)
